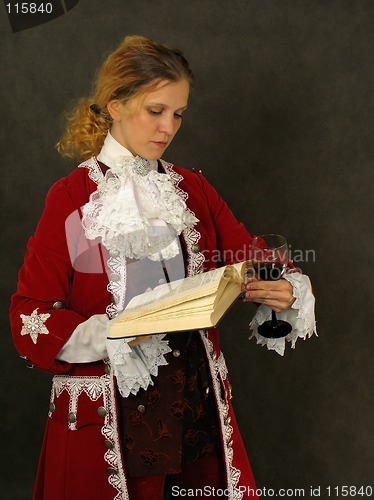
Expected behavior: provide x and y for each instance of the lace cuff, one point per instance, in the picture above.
(300, 315)
(133, 366)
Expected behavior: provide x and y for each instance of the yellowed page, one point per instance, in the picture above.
(171, 294)
(184, 304)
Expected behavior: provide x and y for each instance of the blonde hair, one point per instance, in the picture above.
(136, 67)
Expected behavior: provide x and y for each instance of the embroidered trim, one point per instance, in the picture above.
(94, 170)
(116, 262)
(117, 283)
(96, 387)
(74, 386)
(33, 325)
(221, 366)
(191, 235)
(114, 456)
(195, 260)
(218, 368)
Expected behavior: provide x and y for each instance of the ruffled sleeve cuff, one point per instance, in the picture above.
(133, 366)
(301, 315)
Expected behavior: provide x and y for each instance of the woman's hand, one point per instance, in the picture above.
(275, 294)
(139, 340)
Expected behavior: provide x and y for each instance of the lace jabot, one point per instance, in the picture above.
(135, 209)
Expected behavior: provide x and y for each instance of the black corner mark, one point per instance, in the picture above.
(24, 15)
(69, 4)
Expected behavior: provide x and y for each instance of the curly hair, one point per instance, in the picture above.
(136, 67)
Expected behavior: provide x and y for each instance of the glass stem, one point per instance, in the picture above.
(274, 321)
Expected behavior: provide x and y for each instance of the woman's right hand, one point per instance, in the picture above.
(139, 340)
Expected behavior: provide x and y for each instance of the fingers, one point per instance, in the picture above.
(275, 294)
(139, 340)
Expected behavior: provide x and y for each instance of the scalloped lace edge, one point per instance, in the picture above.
(301, 316)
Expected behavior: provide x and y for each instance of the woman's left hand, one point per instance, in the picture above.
(275, 294)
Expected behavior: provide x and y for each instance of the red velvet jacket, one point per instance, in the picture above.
(83, 399)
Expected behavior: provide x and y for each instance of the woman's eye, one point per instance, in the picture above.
(154, 112)
(178, 116)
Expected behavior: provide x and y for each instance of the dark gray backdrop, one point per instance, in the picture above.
(281, 123)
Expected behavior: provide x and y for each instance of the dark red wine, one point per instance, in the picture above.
(269, 271)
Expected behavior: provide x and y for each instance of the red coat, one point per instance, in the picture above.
(81, 456)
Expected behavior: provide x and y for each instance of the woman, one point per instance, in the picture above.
(141, 416)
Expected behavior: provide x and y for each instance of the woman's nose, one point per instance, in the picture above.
(167, 124)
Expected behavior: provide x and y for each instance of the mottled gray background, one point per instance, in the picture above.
(281, 122)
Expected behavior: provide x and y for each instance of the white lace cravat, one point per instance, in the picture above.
(137, 211)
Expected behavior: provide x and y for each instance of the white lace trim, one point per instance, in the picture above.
(191, 235)
(96, 387)
(301, 315)
(33, 325)
(133, 366)
(114, 456)
(139, 214)
(94, 170)
(117, 283)
(218, 369)
(222, 367)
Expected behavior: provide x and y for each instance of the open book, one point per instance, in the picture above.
(191, 303)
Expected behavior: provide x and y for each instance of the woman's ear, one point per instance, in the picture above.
(115, 109)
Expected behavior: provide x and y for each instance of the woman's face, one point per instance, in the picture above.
(146, 125)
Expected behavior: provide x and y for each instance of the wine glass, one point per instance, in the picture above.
(269, 260)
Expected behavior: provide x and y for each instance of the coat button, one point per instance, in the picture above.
(176, 353)
(195, 248)
(113, 253)
(114, 277)
(230, 443)
(101, 411)
(207, 390)
(109, 444)
(141, 409)
(72, 417)
(112, 470)
(52, 407)
(58, 305)
(214, 356)
(227, 420)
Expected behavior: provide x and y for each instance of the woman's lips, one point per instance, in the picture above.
(160, 144)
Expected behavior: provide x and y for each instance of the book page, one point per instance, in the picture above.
(193, 286)
(183, 290)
